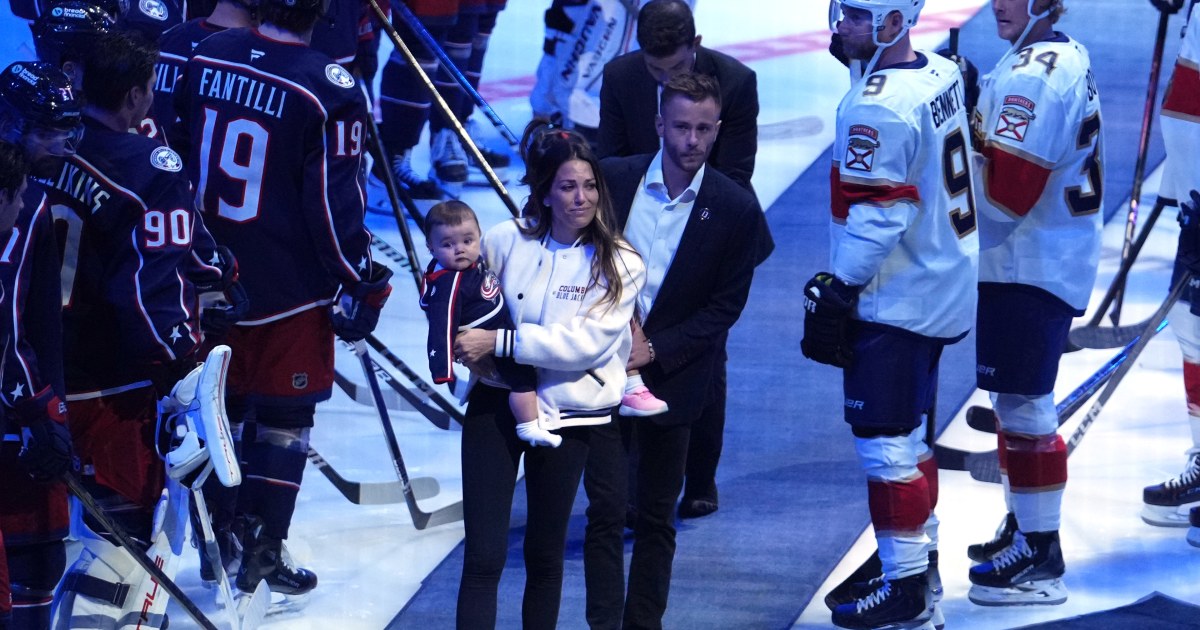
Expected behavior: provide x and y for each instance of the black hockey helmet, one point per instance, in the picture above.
(150, 18)
(38, 95)
(274, 10)
(68, 30)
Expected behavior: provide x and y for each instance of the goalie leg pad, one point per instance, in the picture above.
(275, 463)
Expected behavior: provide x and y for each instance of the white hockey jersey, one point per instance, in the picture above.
(1180, 118)
(903, 209)
(1041, 181)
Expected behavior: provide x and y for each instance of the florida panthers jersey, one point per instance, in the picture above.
(1042, 177)
(1181, 118)
(174, 49)
(276, 140)
(126, 220)
(32, 310)
(903, 214)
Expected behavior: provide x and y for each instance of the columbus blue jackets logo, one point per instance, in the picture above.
(490, 287)
(860, 148)
(165, 159)
(338, 76)
(154, 9)
(1015, 118)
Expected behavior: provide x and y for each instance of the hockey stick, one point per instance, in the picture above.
(439, 414)
(360, 395)
(984, 419)
(1143, 147)
(414, 24)
(987, 469)
(412, 376)
(462, 134)
(393, 191)
(420, 518)
(121, 539)
(1092, 335)
(373, 492)
(251, 614)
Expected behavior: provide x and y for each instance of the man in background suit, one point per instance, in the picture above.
(669, 45)
(701, 235)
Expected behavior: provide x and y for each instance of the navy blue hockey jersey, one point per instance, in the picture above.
(175, 47)
(127, 220)
(276, 135)
(458, 300)
(32, 310)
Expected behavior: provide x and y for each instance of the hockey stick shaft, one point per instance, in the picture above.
(1143, 147)
(122, 540)
(389, 183)
(1118, 282)
(421, 519)
(414, 24)
(373, 492)
(443, 107)
(412, 376)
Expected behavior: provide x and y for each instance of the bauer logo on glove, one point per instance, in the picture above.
(828, 306)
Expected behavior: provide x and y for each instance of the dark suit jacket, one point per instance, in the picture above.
(705, 288)
(629, 103)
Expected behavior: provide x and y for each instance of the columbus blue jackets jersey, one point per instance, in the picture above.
(125, 216)
(903, 210)
(274, 142)
(459, 300)
(32, 310)
(174, 49)
(1180, 117)
(343, 29)
(1042, 180)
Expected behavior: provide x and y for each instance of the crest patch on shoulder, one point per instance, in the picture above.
(860, 148)
(153, 9)
(1015, 117)
(338, 76)
(164, 159)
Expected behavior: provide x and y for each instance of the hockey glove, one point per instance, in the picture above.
(46, 450)
(226, 262)
(361, 304)
(828, 306)
(230, 307)
(1170, 7)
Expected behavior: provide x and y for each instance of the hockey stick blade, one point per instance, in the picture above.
(981, 419)
(361, 396)
(1103, 337)
(421, 519)
(373, 492)
(414, 378)
(121, 539)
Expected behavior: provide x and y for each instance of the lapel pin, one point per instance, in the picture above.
(704, 214)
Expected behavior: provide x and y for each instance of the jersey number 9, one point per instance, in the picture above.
(956, 175)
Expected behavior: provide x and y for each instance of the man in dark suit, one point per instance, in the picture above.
(701, 236)
(669, 45)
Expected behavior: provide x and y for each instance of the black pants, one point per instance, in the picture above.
(490, 455)
(661, 451)
(707, 439)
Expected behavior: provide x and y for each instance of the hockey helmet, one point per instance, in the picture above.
(68, 30)
(37, 95)
(320, 7)
(150, 18)
(879, 9)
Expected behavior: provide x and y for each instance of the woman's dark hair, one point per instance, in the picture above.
(545, 148)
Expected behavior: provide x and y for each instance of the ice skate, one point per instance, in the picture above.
(448, 161)
(418, 187)
(1027, 572)
(982, 552)
(855, 587)
(900, 604)
(1167, 504)
(265, 559)
(1193, 536)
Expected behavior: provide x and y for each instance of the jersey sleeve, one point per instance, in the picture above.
(334, 197)
(871, 195)
(442, 307)
(204, 264)
(1181, 114)
(1023, 139)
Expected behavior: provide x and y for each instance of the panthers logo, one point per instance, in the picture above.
(860, 148)
(1015, 118)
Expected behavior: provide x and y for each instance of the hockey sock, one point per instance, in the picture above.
(479, 44)
(273, 475)
(899, 511)
(1191, 386)
(34, 571)
(1002, 453)
(1037, 468)
(458, 44)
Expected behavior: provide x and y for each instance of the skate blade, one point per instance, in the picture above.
(1193, 537)
(1167, 515)
(1037, 593)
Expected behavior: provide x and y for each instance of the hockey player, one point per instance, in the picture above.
(903, 221)
(1038, 126)
(1167, 502)
(175, 47)
(277, 164)
(66, 33)
(39, 112)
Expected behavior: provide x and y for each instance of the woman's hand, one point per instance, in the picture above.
(471, 346)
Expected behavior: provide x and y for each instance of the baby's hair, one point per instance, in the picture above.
(450, 214)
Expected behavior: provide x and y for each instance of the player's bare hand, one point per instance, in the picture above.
(470, 346)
